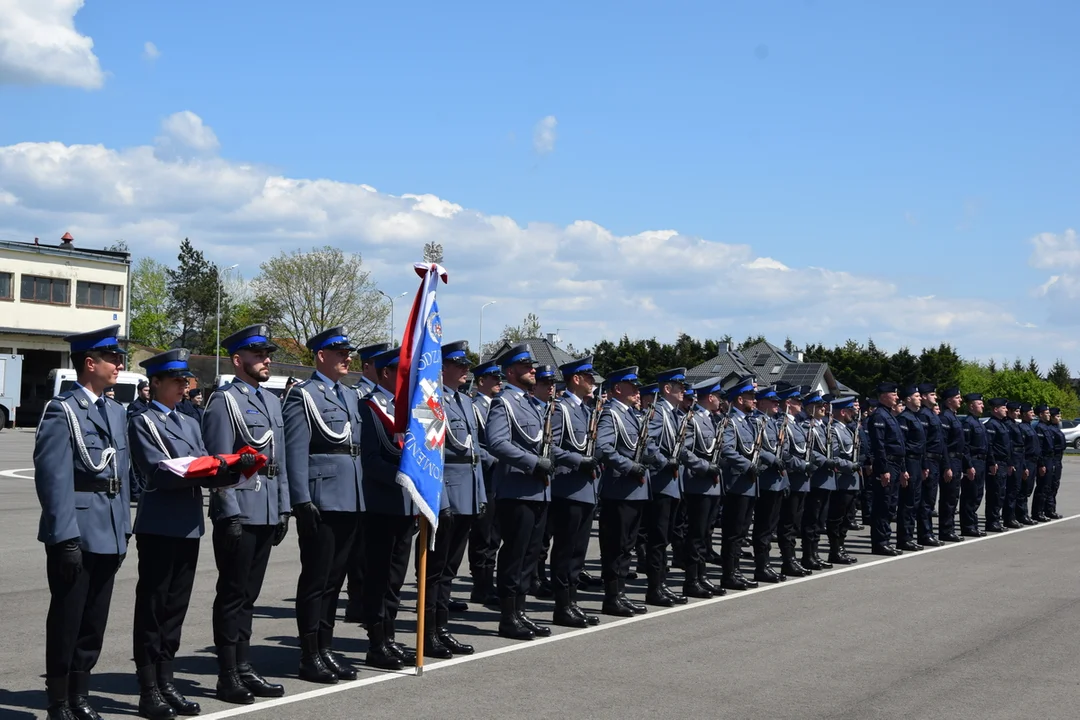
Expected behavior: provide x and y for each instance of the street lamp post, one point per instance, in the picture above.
(392, 299)
(217, 348)
(480, 349)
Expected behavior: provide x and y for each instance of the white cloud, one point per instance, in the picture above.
(544, 135)
(184, 134)
(39, 45)
(150, 51)
(1060, 253)
(1055, 251)
(582, 278)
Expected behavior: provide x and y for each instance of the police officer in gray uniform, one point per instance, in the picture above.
(515, 429)
(847, 467)
(799, 465)
(701, 489)
(463, 498)
(355, 576)
(822, 446)
(250, 519)
(81, 467)
(168, 526)
(772, 483)
(740, 479)
(322, 454)
(389, 519)
(484, 536)
(573, 492)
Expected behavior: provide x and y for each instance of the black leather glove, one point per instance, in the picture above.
(308, 518)
(671, 463)
(544, 465)
(69, 557)
(223, 467)
(637, 471)
(231, 532)
(587, 464)
(282, 528)
(247, 460)
(714, 469)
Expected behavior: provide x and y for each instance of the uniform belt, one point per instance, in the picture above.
(353, 450)
(979, 456)
(460, 460)
(270, 470)
(935, 456)
(109, 487)
(898, 459)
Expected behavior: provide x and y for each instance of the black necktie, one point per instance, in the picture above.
(104, 415)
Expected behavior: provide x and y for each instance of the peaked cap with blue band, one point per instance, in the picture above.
(650, 389)
(517, 354)
(387, 358)
(626, 374)
(171, 363)
(843, 403)
(369, 351)
(456, 352)
(813, 398)
(712, 385)
(253, 337)
(545, 372)
(767, 393)
(745, 384)
(790, 393)
(334, 338)
(490, 367)
(104, 339)
(581, 365)
(672, 375)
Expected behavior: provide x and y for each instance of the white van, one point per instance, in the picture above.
(127, 383)
(276, 383)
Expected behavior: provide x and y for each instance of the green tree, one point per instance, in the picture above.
(1033, 368)
(151, 323)
(940, 365)
(1059, 375)
(193, 298)
(903, 367)
(529, 328)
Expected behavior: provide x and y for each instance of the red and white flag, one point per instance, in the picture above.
(207, 465)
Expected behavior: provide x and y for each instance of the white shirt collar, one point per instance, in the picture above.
(92, 396)
(161, 407)
(573, 398)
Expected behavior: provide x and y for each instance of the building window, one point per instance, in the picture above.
(7, 286)
(97, 295)
(44, 290)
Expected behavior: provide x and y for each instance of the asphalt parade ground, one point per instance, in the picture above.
(985, 629)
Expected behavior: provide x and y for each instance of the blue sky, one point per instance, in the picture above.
(920, 146)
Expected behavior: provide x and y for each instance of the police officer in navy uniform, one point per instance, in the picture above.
(168, 527)
(1032, 462)
(389, 519)
(741, 481)
(626, 451)
(910, 496)
(977, 479)
(484, 536)
(322, 453)
(936, 464)
(515, 429)
(1046, 464)
(355, 576)
(1015, 479)
(250, 519)
(1060, 444)
(667, 432)
(959, 464)
(463, 499)
(702, 486)
(141, 403)
(822, 448)
(1000, 463)
(847, 467)
(573, 492)
(889, 470)
(81, 468)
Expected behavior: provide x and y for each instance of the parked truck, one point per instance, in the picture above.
(10, 388)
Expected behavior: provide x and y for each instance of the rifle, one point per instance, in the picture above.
(643, 437)
(683, 428)
(547, 445)
(755, 455)
(591, 432)
(718, 444)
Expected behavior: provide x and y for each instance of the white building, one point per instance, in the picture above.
(48, 292)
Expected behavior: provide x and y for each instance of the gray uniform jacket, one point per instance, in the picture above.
(801, 459)
(845, 464)
(81, 496)
(322, 459)
(823, 441)
(515, 428)
(701, 440)
(383, 495)
(236, 416)
(170, 505)
(737, 449)
(616, 439)
(570, 427)
(773, 476)
(463, 474)
(664, 431)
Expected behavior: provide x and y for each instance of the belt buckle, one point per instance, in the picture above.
(114, 487)
(354, 450)
(271, 470)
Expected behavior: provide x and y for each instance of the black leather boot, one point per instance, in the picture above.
(837, 554)
(564, 614)
(442, 631)
(791, 567)
(637, 607)
(692, 587)
(379, 654)
(612, 605)
(433, 647)
(574, 608)
(731, 580)
(79, 696)
(677, 598)
(537, 629)
(312, 667)
(230, 688)
(764, 573)
(655, 596)
(172, 695)
(333, 663)
(56, 688)
(808, 560)
(407, 655)
(253, 681)
(510, 625)
(151, 703)
(703, 579)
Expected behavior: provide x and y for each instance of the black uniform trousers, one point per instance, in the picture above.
(1042, 489)
(841, 503)
(571, 526)
(971, 496)
(620, 521)
(387, 544)
(791, 519)
(948, 498)
(1055, 484)
(354, 584)
(766, 522)
(166, 576)
(736, 516)
(1027, 487)
(78, 612)
(714, 523)
(995, 494)
(815, 515)
(484, 537)
(324, 556)
(445, 559)
(930, 488)
(240, 579)
(700, 511)
(910, 502)
(1012, 491)
(659, 519)
(885, 498)
(521, 525)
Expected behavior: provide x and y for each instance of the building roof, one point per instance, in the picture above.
(107, 256)
(768, 364)
(544, 351)
(728, 362)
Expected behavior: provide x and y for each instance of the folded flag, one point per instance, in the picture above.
(207, 465)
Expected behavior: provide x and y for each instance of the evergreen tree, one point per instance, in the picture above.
(193, 298)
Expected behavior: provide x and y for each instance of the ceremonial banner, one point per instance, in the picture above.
(207, 465)
(419, 419)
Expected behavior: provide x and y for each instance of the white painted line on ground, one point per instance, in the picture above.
(608, 625)
(16, 473)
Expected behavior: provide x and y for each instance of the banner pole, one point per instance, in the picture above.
(421, 595)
